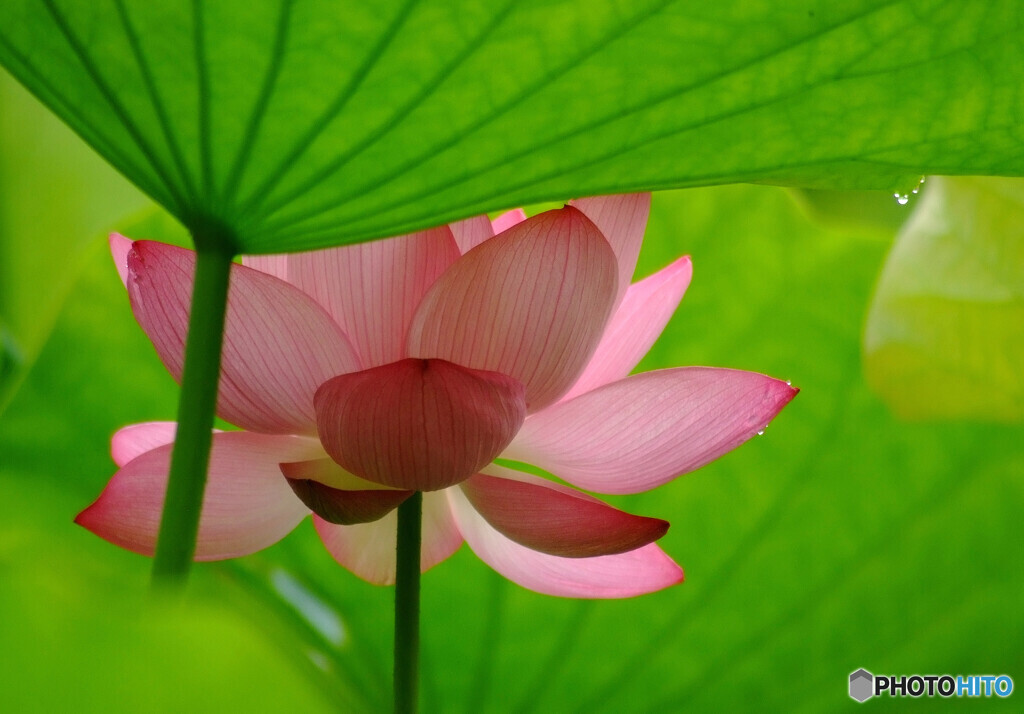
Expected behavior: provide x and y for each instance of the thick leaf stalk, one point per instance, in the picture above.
(179, 524)
(407, 605)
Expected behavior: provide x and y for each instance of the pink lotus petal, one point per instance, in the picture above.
(554, 519)
(343, 507)
(136, 439)
(247, 504)
(279, 345)
(372, 289)
(636, 572)
(530, 303)
(418, 424)
(368, 549)
(276, 265)
(635, 326)
(119, 249)
(508, 219)
(622, 220)
(644, 430)
(471, 232)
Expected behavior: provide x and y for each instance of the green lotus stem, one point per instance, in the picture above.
(179, 523)
(407, 605)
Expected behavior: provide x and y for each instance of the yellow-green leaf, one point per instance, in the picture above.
(945, 334)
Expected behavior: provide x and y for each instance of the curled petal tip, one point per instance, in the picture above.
(785, 393)
(83, 519)
(682, 577)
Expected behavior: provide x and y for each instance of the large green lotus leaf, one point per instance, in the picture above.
(945, 334)
(842, 538)
(304, 123)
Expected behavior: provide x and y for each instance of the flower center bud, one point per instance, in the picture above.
(418, 424)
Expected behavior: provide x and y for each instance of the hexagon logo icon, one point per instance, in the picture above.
(862, 685)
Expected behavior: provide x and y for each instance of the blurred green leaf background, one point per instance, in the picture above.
(844, 537)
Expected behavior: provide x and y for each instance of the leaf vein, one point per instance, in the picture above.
(398, 116)
(332, 111)
(262, 102)
(661, 98)
(115, 104)
(155, 98)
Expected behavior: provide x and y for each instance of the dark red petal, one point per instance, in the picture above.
(557, 520)
(346, 508)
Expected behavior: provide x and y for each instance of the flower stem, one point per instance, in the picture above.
(407, 605)
(179, 524)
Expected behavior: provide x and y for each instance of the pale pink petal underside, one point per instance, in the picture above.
(471, 232)
(508, 219)
(276, 265)
(635, 326)
(327, 472)
(644, 430)
(368, 549)
(247, 504)
(555, 519)
(372, 289)
(530, 303)
(136, 439)
(279, 345)
(119, 249)
(622, 220)
(635, 572)
(418, 424)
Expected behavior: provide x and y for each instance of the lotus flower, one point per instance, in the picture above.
(361, 374)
